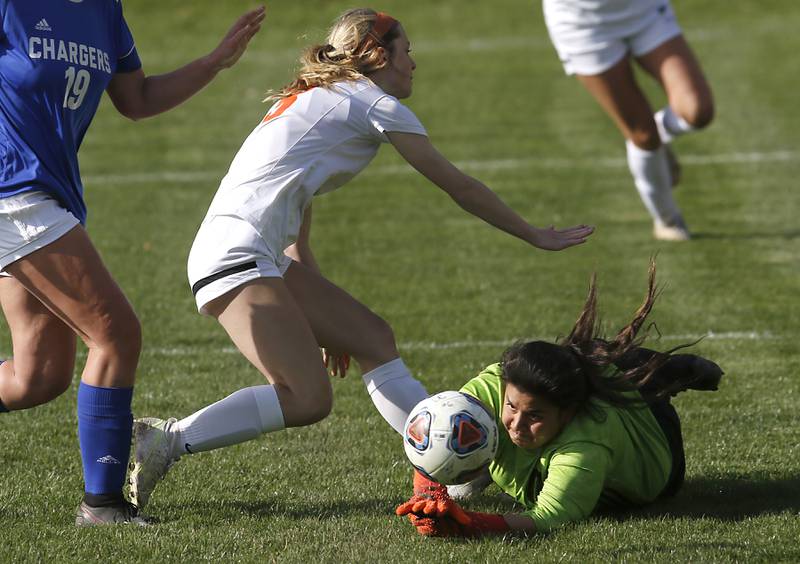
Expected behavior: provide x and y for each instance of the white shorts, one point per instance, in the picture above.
(592, 47)
(228, 252)
(28, 222)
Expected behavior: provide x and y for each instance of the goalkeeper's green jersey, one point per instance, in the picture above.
(606, 457)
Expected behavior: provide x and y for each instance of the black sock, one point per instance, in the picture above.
(103, 500)
(3, 409)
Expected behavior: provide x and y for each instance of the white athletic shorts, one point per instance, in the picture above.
(228, 252)
(588, 45)
(28, 222)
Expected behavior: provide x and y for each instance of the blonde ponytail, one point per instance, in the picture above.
(350, 53)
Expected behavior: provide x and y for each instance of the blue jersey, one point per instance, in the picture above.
(56, 59)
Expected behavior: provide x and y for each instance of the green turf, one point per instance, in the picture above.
(491, 92)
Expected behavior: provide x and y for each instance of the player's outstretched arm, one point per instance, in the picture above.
(474, 197)
(471, 523)
(137, 96)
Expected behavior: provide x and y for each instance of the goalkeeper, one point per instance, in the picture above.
(585, 425)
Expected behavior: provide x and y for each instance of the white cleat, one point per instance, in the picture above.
(675, 230)
(471, 488)
(152, 457)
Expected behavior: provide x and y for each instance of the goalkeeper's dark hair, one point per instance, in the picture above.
(574, 371)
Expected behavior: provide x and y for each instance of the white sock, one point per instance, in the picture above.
(650, 170)
(394, 392)
(670, 125)
(240, 417)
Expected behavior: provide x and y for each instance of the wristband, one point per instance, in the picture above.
(482, 523)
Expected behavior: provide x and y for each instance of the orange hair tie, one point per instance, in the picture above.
(383, 23)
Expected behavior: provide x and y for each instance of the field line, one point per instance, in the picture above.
(192, 350)
(207, 176)
(195, 350)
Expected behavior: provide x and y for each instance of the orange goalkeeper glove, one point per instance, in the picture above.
(430, 499)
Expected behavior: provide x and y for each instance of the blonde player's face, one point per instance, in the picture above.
(400, 67)
(532, 421)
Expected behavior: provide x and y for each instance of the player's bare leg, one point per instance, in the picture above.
(339, 321)
(689, 96)
(343, 324)
(621, 97)
(69, 279)
(690, 103)
(269, 329)
(43, 361)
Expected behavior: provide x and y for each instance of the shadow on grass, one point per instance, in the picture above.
(288, 508)
(729, 499)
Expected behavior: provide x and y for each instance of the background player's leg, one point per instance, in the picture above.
(690, 102)
(343, 324)
(619, 95)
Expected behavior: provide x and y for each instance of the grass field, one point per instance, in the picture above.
(492, 95)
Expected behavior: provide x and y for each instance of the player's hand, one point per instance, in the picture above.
(235, 42)
(336, 363)
(436, 505)
(552, 239)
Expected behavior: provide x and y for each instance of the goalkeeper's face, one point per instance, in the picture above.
(532, 421)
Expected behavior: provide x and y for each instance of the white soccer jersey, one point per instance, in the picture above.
(307, 144)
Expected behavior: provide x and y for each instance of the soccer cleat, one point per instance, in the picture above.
(675, 230)
(471, 488)
(701, 374)
(88, 516)
(152, 457)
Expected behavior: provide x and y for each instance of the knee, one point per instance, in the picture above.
(321, 409)
(701, 115)
(697, 111)
(646, 138)
(382, 345)
(121, 336)
(315, 406)
(43, 386)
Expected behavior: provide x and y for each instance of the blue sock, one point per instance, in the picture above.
(104, 431)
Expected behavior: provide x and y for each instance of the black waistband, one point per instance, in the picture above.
(203, 282)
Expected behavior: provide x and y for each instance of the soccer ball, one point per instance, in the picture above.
(449, 437)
